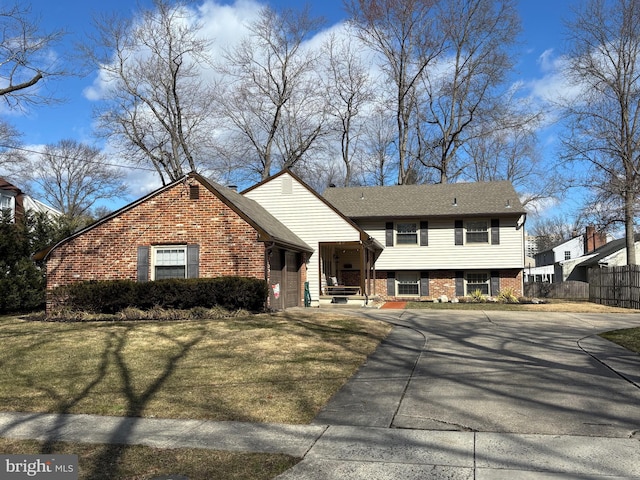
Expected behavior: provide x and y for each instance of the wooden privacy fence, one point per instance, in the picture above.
(567, 290)
(615, 286)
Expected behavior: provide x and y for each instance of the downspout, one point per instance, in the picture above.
(267, 271)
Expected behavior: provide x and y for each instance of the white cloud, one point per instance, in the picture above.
(542, 207)
(223, 25)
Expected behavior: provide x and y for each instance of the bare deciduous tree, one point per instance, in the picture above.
(156, 104)
(73, 176)
(272, 103)
(11, 156)
(377, 148)
(460, 88)
(604, 128)
(405, 34)
(504, 146)
(25, 59)
(556, 229)
(349, 92)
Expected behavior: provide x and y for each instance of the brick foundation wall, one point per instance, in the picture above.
(108, 251)
(443, 282)
(512, 279)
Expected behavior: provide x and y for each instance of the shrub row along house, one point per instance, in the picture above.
(348, 246)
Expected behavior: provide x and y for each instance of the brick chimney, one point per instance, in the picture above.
(593, 239)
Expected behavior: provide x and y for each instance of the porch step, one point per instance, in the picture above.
(342, 300)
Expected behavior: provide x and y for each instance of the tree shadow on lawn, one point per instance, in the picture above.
(113, 355)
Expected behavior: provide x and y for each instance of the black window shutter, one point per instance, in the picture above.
(193, 261)
(424, 234)
(495, 282)
(459, 284)
(388, 234)
(143, 264)
(495, 231)
(391, 284)
(424, 284)
(459, 235)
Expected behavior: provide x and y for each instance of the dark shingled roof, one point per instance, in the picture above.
(450, 199)
(251, 211)
(606, 250)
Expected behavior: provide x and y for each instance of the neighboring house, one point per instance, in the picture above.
(612, 254)
(408, 242)
(555, 265)
(444, 239)
(17, 203)
(189, 228)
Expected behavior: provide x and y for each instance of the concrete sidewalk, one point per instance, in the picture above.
(339, 452)
(351, 437)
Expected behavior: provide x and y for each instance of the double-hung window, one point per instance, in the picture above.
(408, 283)
(6, 203)
(478, 281)
(170, 262)
(477, 231)
(407, 233)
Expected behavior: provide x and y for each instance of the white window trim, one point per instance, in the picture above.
(154, 257)
(414, 278)
(487, 231)
(487, 282)
(12, 204)
(397, 243)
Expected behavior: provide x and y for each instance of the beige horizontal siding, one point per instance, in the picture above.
(441, 253)
(305, 215)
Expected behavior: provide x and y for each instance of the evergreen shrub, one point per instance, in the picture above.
(113, 296)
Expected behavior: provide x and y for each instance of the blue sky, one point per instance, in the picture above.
(542, 42)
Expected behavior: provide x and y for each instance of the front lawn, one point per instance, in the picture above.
(629, 338)
(266, 368)
(137, 462)
(549, 306)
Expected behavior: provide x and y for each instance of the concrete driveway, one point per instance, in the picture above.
(448, 395)
(506, 372)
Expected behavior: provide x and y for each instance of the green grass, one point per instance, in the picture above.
(629, 338)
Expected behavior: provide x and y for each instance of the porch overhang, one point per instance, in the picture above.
(347, 268)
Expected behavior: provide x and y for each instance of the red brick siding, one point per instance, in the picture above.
(443, 282)
(512, 279)
(228, 244)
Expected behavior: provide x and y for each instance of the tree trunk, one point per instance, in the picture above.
(629, 227)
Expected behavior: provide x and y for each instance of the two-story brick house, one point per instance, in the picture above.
(445, 239)
(410, 241)
(350, 244)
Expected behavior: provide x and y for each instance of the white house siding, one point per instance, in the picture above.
(305, 215)
(443, 254)
(575, 247)
(619, 258)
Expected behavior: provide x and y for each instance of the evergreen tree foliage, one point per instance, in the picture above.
(22, 281)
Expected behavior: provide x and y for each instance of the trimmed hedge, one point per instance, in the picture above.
(112, 296)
